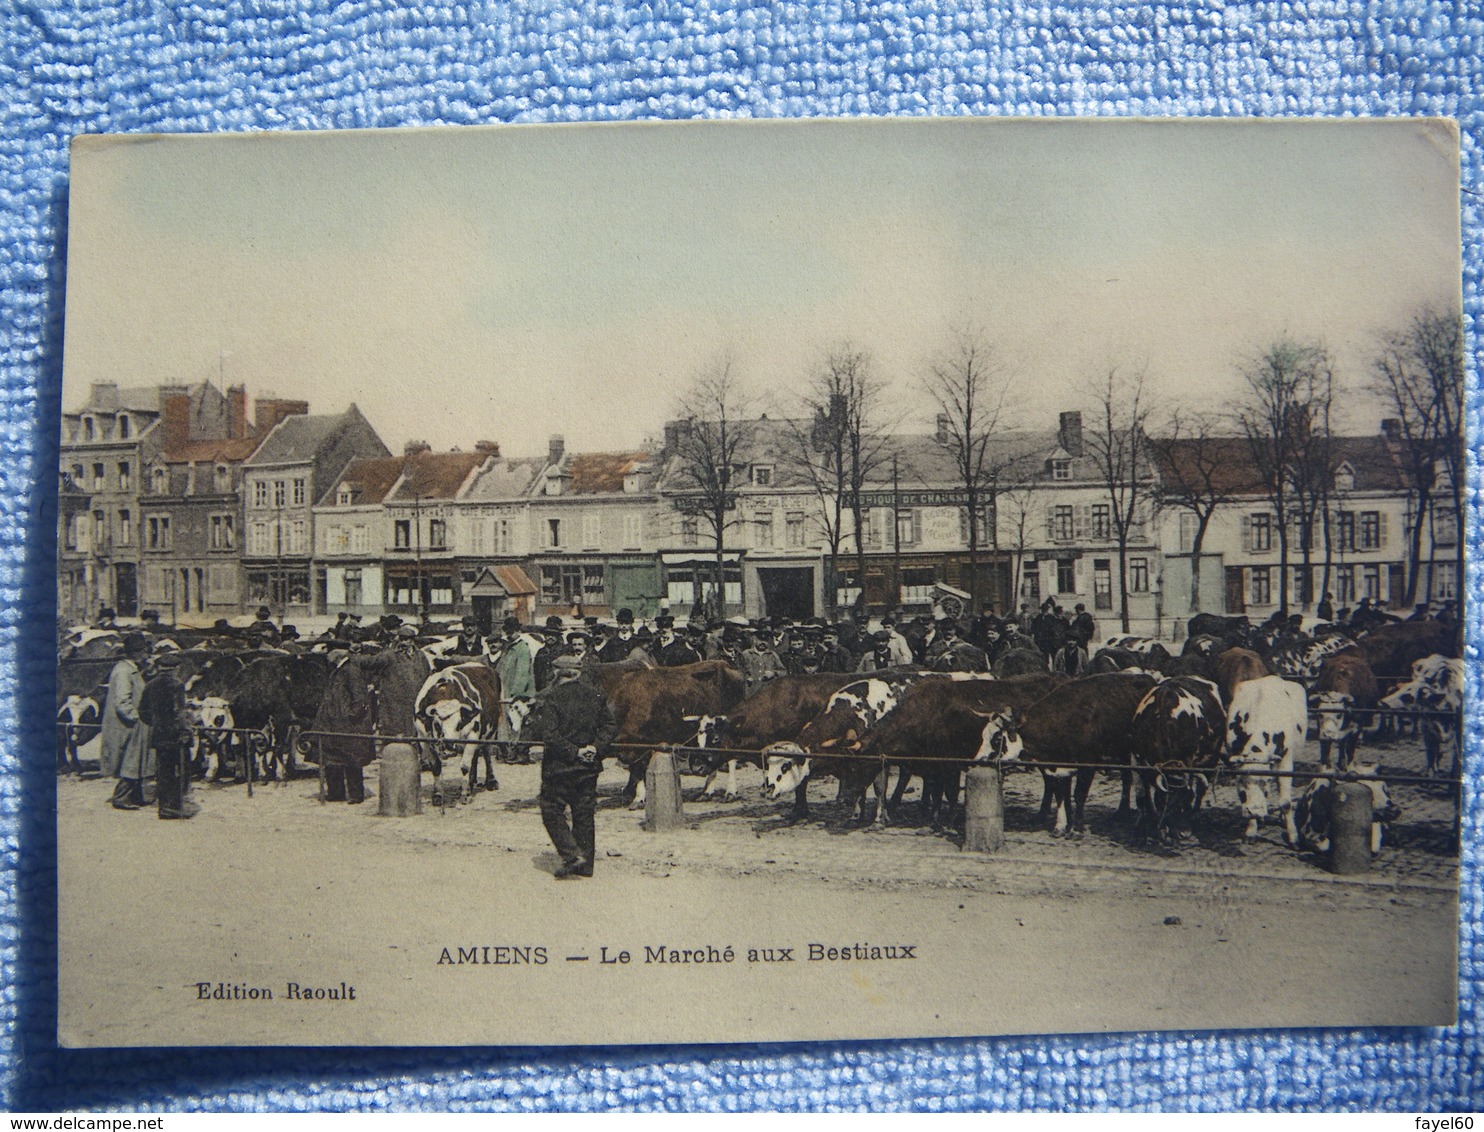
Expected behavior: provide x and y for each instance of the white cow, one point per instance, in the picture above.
(1436, 686)
(1265, 731)
(1315, 808)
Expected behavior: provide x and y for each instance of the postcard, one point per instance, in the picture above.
(760, 582)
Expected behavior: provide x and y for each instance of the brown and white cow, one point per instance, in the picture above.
(1344, 693)
(1178, 734)
(454, 706)
(1436, 689)
(1236, 665)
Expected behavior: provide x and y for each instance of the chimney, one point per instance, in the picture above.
(105, 397)
(487, 447)
(555, 448)
(941, 436)
(416, 448)
(1391, 428)
(236, 412)
(190, 477)
(1070, 433)
(177, 425)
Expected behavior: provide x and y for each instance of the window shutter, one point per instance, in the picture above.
(1050, 524)
(1381, 532)
(1247, 533)
(916, 526)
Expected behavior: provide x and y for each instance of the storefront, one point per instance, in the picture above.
(498, 592)
(690, 583)
(788, 586)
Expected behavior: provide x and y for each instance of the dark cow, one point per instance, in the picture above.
(1178, 734)
(1152, 651)
(1344, 692)
(1117, 659)
(1314, 810)
(1085, 721)
(1238, 630)
(459, 703)
(1019, 662)
(280, 695)
(662, 707)
(775, 713)
(1392, 649)
(1236, 665)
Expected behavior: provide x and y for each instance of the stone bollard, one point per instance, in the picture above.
(399, 782)
(662, 801)
(984, 809)
(1350, 817)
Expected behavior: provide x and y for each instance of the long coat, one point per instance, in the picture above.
(347, 707)
(516, 672)
(398, 677)
(125, 748)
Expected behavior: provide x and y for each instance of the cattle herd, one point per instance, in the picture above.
(1235, 700)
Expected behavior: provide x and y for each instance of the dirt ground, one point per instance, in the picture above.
(451, 929)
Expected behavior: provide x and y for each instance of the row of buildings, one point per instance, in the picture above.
(173, 498)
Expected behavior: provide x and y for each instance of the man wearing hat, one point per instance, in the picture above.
(575, 725)
(550, 650)
(512, 661)
(622, 643)
(759, 662)
(669, 650)
(833, 656)
(950, 653)
(880, 655)
(468, 642)
(162, 707)
(125, 752)
(580, 648)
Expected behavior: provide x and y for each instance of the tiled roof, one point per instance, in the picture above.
(603, 472)
(212, 451)
(1375, 461)
(435, 475)
(369, 479)
(507, 479)
(296, 439)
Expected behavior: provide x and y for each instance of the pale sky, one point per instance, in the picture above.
(511, 282)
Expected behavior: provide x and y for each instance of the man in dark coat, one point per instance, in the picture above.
(550, 650)
(617, 648)
(669, 650)
(347, 707)
(575, 725)
(468, 642)
(163, 708)
(1084, 628)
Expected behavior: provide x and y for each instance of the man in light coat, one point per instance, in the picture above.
(514, 667)
(126, 753)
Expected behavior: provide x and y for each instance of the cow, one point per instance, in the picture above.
(1344, 691)
(1178, 733)
(947, 721)
(1302, 659)
(1086, 721)
(1019, 662)
(775, 713)
(1236, 665)
(660, 707)
(460, 703)
(1152, 651)
(1436, 687)
(279, 695)
(1315, 808)
(1392, 650)
(79, 720)
(1266, 725)
(1237, 630)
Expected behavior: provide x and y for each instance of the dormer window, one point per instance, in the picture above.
(762, 475)
(89, 429)
(345, 496)
(125, 429)
(554, 483)
(221, 479)
(159, 481)
(1061, 469)
(1345, 478)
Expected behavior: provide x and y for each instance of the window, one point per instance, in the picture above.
(1102, 584)
(298, 537)
(78, 478)
(100, 530)
(1262, 535)
(126, 480)
(223, 532)
(870, 531)
(1262, 585)
(89, 429)
(1189, 524)
(592, 529)
(1344, 478)
(906, 527)
(633, 530)
(258, 543)
(1030, 583)
(592, 585)
(1303, 584)
(1063, 528)
(344, 497)
(689, 532)
(402, 534)
(553, 532)
(360, 539)
(159, 532)
(97, 477)
(1444, 528)
(278, 493)
(562, 585)
(1370, 580)
(1345, 585)
(1066, 575)
(1370, 530)
(502, 536)
(1102, 520)
(438, 534)
(1345, 530)
(126, 527)
(1061, 469)
(793, 528)
(221, 479)
(762, 475)
(260, 493)
(983, 527)
(126, 429)
(1138, 575)
(337, 540)
(764, 528)
(298, 493)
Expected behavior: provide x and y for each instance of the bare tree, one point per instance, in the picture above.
(840, 443)
(1420, 373)
(969, 384)
(1284, 385)
(1197, 477)
(716, 428)
(1119, 447)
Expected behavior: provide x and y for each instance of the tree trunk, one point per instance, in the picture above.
(1123, 580)
(1414, 549)
(1195, 561)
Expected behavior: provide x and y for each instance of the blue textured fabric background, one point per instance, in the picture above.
(277, 64)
